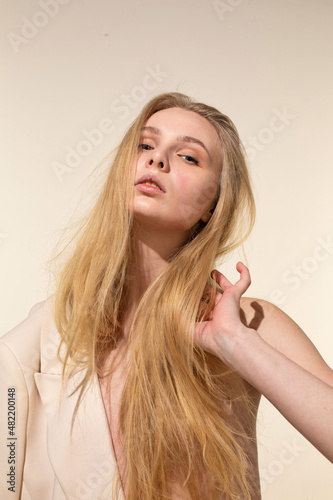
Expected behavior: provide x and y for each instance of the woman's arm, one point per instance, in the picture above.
(303, 398)
(276, 358)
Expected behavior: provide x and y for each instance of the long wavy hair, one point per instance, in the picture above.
(178, 413)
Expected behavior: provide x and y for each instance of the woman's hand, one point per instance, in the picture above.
(223, 329)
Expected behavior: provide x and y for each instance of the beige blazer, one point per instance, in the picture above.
(38, 460)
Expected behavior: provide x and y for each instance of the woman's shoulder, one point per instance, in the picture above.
(280, 331)
(26, 328)
(21, 346)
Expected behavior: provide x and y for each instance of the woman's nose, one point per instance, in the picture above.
(158, 163)
(158, 159)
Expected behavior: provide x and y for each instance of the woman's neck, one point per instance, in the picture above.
(151, 252)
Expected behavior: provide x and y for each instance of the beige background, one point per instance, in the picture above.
(73, 66)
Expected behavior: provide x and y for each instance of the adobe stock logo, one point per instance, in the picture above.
(94, 481)
(287, 455)
(31, 27)
(300, 272)
(223, 8)
(94, 137)
(277, 124)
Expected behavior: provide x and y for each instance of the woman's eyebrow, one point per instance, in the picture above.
(180, 138)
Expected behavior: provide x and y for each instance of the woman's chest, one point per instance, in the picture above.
(111, 390)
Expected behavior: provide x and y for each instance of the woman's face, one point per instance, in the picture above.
(182, 150)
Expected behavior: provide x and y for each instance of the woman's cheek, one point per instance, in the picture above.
(182, 182)
(189, 201)
(186, 191)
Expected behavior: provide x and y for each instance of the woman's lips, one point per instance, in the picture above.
(149, 189)
(150, 177)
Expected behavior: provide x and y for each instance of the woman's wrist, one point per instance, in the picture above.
(241, 349)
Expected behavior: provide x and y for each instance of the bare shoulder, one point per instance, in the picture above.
(285, 335)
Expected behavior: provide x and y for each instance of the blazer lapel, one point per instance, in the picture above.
(84, 461)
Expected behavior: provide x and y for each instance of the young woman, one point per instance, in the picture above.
(140, 377)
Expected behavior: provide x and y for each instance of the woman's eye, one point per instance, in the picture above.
(191, 159)
(144, 146)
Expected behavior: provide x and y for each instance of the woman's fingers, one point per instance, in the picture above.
(245, 279)
(224, 319)
(220, 279)
(241, 285)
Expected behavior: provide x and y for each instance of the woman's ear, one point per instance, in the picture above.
(205, 218)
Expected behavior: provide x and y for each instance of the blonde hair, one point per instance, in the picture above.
(175, 419)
